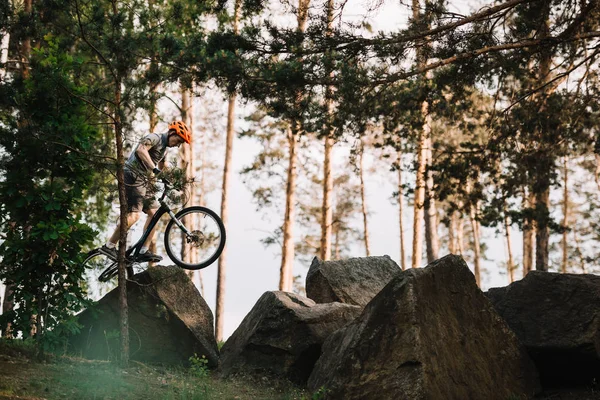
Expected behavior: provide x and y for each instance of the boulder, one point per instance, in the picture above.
(557, 318)
(282, 336)
(352, 281)
(169, 321)
(429, 334)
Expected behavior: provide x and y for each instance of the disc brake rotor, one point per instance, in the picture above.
(195, 238)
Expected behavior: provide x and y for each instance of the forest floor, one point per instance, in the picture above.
(62, 377)
(21, 377)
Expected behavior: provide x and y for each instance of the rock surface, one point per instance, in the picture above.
(352, 281)
(429, 334)
(282, 336)
(168, 318)
(557, 317)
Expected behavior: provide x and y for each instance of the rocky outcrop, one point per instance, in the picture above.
(352, 281)
(429, 334)
(169, 321)
(282, 336)
(557, 317)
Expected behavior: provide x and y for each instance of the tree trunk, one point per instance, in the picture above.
(401, 212)
(8, 305)
(327, 211)
(220, 306)
(565, 247)
(528, 233)
(476, 245)
(361, 171)
(287, 250)
(473, 211)
(460, 234)
(431, 222)
(541, 185)
(286, 274)
(153, 122)
(123, 307)
(510, 265)
(421, 150)
(4, 52)
(220, 303)
(186, 154)
(419, 199)
(452, 234)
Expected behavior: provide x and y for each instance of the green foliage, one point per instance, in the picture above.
(48, 141)
(199, 366)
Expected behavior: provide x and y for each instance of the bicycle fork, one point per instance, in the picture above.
(178, 222)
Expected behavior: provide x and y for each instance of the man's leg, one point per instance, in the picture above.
(132, 218)
(145, 255)
(150, 213)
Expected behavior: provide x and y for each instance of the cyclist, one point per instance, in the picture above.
(148, 156)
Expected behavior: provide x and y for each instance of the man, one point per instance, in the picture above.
(147, 156)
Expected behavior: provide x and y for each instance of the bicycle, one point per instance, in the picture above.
(197, 243)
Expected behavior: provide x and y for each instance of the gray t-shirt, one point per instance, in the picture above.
(158, 141)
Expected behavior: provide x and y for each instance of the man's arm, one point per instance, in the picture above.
(144, 156)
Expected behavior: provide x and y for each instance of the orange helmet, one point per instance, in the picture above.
(182, 130)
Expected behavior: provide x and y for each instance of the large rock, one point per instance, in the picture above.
(352, 281)
(169, 321)
(282, 336)
(429, 334)
(557, 317)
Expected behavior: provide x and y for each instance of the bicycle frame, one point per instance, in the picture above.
(162, 210)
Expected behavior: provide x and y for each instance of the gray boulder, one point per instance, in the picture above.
(282, 336)
(169, 321)
(352, 281)
(557, 317)
(429, 334)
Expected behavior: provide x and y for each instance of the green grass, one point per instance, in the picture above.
(73, 378)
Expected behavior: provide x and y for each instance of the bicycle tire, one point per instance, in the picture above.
(202, 238)
(97, 260)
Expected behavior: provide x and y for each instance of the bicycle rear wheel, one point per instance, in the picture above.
(204, 243)
(99, 261)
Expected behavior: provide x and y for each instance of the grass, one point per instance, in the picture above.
(72, 378)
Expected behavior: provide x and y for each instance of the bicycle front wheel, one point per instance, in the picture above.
(202, 244)
(99, 261)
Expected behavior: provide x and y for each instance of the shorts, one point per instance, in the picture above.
(135, 191)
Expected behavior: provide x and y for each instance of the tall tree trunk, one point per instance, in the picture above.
(153, 122)
(363, 197)
(453, 233)
(510, 264)
(401, 212)
(419, 199)
(421, 150)
(528, 233)
(186, 156)
(565, 247)
(4, 52)
(473, 211)
(123, 307)
(460, 234)
(220, 303)
(327, 211)
(542, 182)
(286, 270)
(224, 217)
(431, 221)
(287, 250)
(8, 305)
